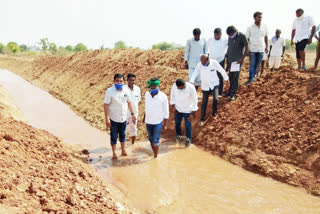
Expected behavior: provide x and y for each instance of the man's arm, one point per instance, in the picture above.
(106, 114)
(246, 50)
(205, 48)
(266, 42)
(195, 74)
(293, 33)
(134, 119)
(173, 96)
(166, 113)
(270, 51)
(312, 33)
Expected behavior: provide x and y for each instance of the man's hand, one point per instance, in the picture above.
(227, 84)
(134, 119)
(108, 123)
(191, 116)
(292, 43)
(186, 65)
(266, 50)
(240, 61)
(165, 125)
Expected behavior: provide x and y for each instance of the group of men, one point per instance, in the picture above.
(205, 61)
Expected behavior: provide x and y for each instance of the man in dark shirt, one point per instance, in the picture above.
(237, 52)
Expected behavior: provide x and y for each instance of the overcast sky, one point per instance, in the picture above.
(140, 23)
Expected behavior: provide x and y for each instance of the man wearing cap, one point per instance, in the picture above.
(195, 47)
(116, 104)
(302, 35)
(208, 68)
(156, 113)
(217, 50)
(185, 101)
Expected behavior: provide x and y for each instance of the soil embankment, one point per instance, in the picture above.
(273, 128)
(41, 174)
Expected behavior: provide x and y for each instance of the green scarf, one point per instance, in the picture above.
(150, 83)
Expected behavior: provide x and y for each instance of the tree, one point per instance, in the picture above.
(80, 47)
(2, 47)
(13, 47)
(166, 46)
(69, 48)
(23, 48)
(44, 42)
(120, 45)
(53, 48)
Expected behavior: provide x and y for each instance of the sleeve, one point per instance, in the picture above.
(205, 48)
(283, 42)
(187, 51)
(248, 33)
(166, 107)
(172, 95)
(194, 98)
(266, 31)
(311, 21)
(139, 98)
(221, 71)
(107, 97)
(244, 40)
(195, 73)
(294, 25)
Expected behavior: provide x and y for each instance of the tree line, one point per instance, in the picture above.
(44, 46)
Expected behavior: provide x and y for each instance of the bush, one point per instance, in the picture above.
(69, 48)
(44, 42)
(2, 48)
(23, 48)
(13, 47)
(80, 47)
(120, 45)
(166, 46)
(53, 48)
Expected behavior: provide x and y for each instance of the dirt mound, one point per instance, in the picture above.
(40, 174)
(272, 128)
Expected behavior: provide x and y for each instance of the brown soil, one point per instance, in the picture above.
(41, 174)
(273, 128)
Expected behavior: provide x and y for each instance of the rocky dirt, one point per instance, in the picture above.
(41, 174)
(273, 128)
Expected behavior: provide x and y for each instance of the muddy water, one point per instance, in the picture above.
(179, 181)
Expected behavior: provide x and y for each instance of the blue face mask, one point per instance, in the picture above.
(155, 91)
(118, 86)
(207, 63)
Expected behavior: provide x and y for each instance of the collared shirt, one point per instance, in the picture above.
(185, 100)
(277, 46)
(217, 48)
(135, 96)
(194, 50)
(236, 47)
(156, 108)
(208, 74)
(118, 103)
(255, 36)
(302, 25)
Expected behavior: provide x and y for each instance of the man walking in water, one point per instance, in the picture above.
(208, 69)
(135, 95)
(194, 48)
(156, 113)
(116, 104)
(257, 35)
(217, 49)
(302, 35)
(185, 101)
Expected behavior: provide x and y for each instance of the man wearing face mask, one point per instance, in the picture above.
(303, 29)
(156, 113)
(117, 102)
(185, 101)
(209, 83)
(217, 50)
(194, 48)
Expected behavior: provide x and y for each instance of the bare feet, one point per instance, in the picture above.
(115, 157)
(124, 153)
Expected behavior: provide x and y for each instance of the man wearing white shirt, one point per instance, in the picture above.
(135, 95)
(217, 47)
(257, 35)
(208, 69)
(156, 113)
(116, 104)
(302, 35)
(185, 101)
(194, 48)
(277, 49)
